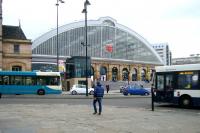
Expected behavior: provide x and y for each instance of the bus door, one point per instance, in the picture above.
(164, 87)
(169, 89)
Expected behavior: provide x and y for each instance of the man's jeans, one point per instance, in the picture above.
(99, 99)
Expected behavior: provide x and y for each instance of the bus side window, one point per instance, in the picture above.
(188, 80)
(1, 82)
(55, 81)
(41, 81)
(29, 80)
(195, 79)
(34, 81)
(5, 80)
(51, 81)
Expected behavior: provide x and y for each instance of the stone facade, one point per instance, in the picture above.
(9, 37)
(96, 66)
(120, 66)
(1, 61)
(22, 59)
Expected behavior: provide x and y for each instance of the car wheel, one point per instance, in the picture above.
(41, 92)
(74, 92)
(185, 102)
(146, 93)
(126, 94)
(91, 93)
(0, 95)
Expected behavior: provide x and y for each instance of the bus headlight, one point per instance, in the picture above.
(178, 94)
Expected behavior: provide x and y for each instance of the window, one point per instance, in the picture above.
(41, 81)
(30, 80)
(169, 82)
(81, 86)
(48, 80)
(16, 80)
(188, 80)
(5, 80)
(52, 80)
(82, 82)
(16, 68)
(1, 81)
(160, 82)
(16, 48)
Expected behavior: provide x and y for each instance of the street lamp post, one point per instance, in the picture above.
(57, 48)
(86, 3)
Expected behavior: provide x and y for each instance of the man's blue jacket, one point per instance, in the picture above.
(98, 91)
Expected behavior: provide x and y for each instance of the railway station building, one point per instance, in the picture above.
(117, 52)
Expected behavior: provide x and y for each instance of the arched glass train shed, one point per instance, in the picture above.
(117, 52)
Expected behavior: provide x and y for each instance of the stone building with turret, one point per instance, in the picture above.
(15, 48)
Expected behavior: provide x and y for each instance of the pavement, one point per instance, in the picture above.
(66, 118)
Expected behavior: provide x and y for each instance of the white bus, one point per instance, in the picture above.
(17, 82)
(178, 84)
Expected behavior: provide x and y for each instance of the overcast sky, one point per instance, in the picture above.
(176, 22)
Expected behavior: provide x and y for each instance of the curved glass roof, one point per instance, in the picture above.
(126, 44)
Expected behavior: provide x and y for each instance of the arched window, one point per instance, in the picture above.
(16, 68)
(103, 73)
(125, 74)
(143, 75)
(134, 75)
(114, 74)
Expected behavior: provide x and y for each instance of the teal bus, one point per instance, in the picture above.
(41, 83)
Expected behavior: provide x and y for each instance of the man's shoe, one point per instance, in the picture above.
(99, 113)
(94, 113)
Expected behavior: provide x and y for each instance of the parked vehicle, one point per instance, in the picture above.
(21, 82)
(80, 89)
(178, 84)
(136, 90)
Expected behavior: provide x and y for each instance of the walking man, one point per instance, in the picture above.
(107, 88)
(98, 96)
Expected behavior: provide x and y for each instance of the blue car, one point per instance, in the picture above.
(135, 90)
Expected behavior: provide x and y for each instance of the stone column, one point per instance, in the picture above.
(97, 73)
(139, 73)
(148, 76)
(119, 76)
(109, 73)
(130, 73)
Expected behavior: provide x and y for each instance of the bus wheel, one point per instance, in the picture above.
(40, 92)
(0, 95)
(185, 102)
